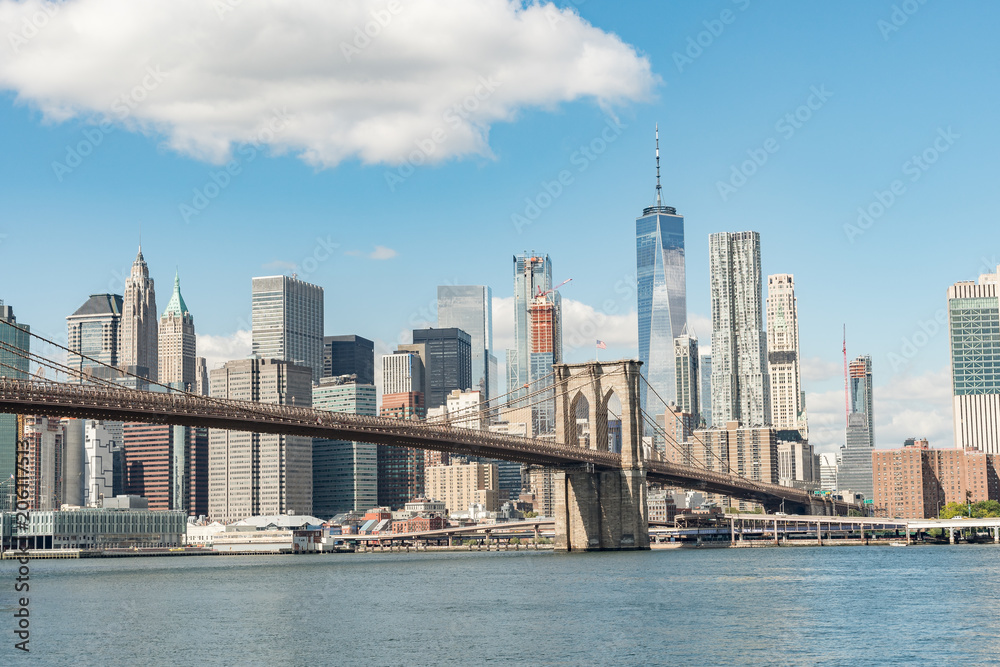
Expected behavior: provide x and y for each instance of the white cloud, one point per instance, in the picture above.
(281, 264)
(438, 71)
(583, 325)
(700, 326)
(217, 350)
(817, 369)
(381, 252)
(906, 406)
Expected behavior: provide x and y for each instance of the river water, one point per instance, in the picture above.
(773, 606)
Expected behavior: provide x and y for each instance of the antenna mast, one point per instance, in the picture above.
(847, 405)
(658, 201)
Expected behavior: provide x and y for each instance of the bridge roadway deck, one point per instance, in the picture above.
(56, 399)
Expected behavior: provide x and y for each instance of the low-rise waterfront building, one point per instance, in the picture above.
(95, 528)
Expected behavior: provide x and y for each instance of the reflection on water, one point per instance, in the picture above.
(829, 606)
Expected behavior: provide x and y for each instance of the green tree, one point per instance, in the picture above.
(951, 510)
(985, 509)
(855, 513)
(514, 540)
(530, 514)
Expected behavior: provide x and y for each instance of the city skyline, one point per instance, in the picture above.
(797, 201)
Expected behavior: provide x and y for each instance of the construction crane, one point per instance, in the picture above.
(550, 290)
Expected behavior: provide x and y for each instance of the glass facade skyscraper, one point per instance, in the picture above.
(661, 294)
(287, 321)
(860, 374)
(448, 362)
(974, 327)
(94, 331)
(470, 308)
(345, 474)
(662, 299)
(349, 355)
(532, 275)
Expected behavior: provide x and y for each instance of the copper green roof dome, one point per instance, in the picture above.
(176, 304)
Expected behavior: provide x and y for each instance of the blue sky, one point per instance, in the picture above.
(881, 94)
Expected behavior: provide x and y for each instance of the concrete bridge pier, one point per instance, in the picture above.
(600, 510)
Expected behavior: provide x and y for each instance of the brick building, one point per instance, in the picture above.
(915, 481)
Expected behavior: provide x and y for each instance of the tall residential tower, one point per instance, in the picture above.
(741, 388)
(787, 398)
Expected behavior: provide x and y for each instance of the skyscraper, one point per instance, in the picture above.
(139, 347)
(687, 374)
(661, 293)
(345, 474)
(177, 343)
(741, 389)
(532, 276)
(860, 373)
(13, 340)
(855, 470)
(287, 321)
(253, 474)
(95, 331)
(470, 308)
(349, 355)
(100, 440)
(448, 362)
(167, 465)
(705, 402)
(974, 327)
(401, 469)
(787, 397)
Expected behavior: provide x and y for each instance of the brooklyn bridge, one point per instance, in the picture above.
(600, 495)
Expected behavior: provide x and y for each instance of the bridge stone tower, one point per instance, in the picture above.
(600, 510)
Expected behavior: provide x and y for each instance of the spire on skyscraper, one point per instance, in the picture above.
(176, 304)
(659, 202)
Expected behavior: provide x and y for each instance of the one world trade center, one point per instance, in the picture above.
(661, 294)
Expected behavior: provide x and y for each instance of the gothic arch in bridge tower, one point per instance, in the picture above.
(600, 509)
(579, 406)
